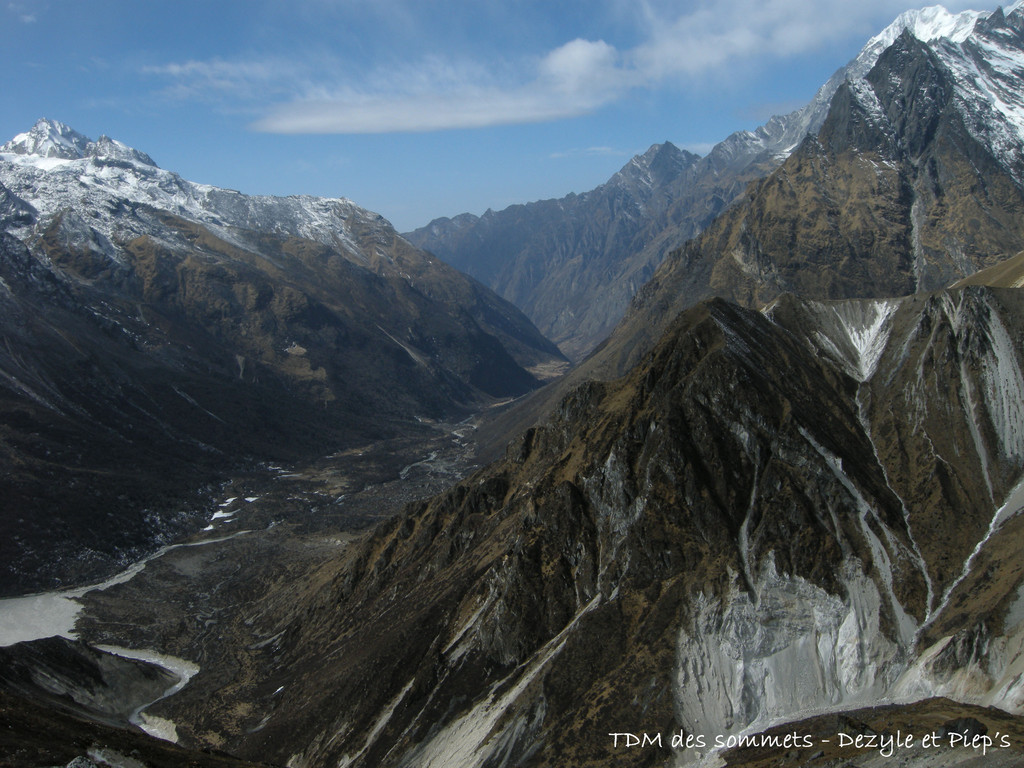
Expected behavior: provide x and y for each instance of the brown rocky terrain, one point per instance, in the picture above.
(896, 194)
(788, 508)
(747, 492)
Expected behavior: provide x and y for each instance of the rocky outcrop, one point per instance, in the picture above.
(80, 680)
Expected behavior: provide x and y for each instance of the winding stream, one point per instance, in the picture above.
(54, 614)
(185, 670)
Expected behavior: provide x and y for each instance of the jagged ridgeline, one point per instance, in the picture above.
(920, 161)
(801, 498)
(772, 514)
(915, 180)
(157, 333)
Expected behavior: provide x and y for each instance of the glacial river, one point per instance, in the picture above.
(53, 614)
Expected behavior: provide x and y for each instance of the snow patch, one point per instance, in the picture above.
(1013, 505)
(880, 557)
(378, 726)
(1004, 389)
(867, 327)
(471, 740)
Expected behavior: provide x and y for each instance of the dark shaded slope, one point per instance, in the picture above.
(528, 612)
(760, 496)
(130, 384)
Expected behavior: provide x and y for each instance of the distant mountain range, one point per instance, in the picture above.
(573, 264)
(915, 181)
(157, 332)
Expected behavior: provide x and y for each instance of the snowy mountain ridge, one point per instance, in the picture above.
(931, 25)
(303, 310)
(55, 169)
(927, 24)
(54, 141)
(984, 55)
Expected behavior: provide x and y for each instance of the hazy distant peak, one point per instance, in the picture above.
(660, 164)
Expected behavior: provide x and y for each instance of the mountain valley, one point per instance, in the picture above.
(160, 334)
(778, 503)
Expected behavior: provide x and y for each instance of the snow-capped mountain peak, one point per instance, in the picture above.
(982, 54)
(52, 169)
(52, 140)
(929, 24)
(48, 138)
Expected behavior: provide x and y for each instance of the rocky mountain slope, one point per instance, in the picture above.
(774, 514)
(157, 332)
(570, 264)
(782, 512)
(913, 182)
(599, 247)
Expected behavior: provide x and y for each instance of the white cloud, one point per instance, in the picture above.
(426, 112)
(583, 67)
(435, 94)
(238, 80)
(441, 92)
(25, 16)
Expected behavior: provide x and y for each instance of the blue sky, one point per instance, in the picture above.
(419, 108)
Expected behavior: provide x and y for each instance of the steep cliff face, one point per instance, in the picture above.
(773, 513)
(745, 528)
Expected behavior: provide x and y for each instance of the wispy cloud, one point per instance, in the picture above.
(436, 94)
(576, 78)
(218, 79)
(23, 13)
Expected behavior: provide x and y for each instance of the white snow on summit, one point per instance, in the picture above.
(927, 25)
(48, 138)
(990, 87)
(58, 171)
(51, 141)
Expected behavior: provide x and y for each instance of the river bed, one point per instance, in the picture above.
(54, 614)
